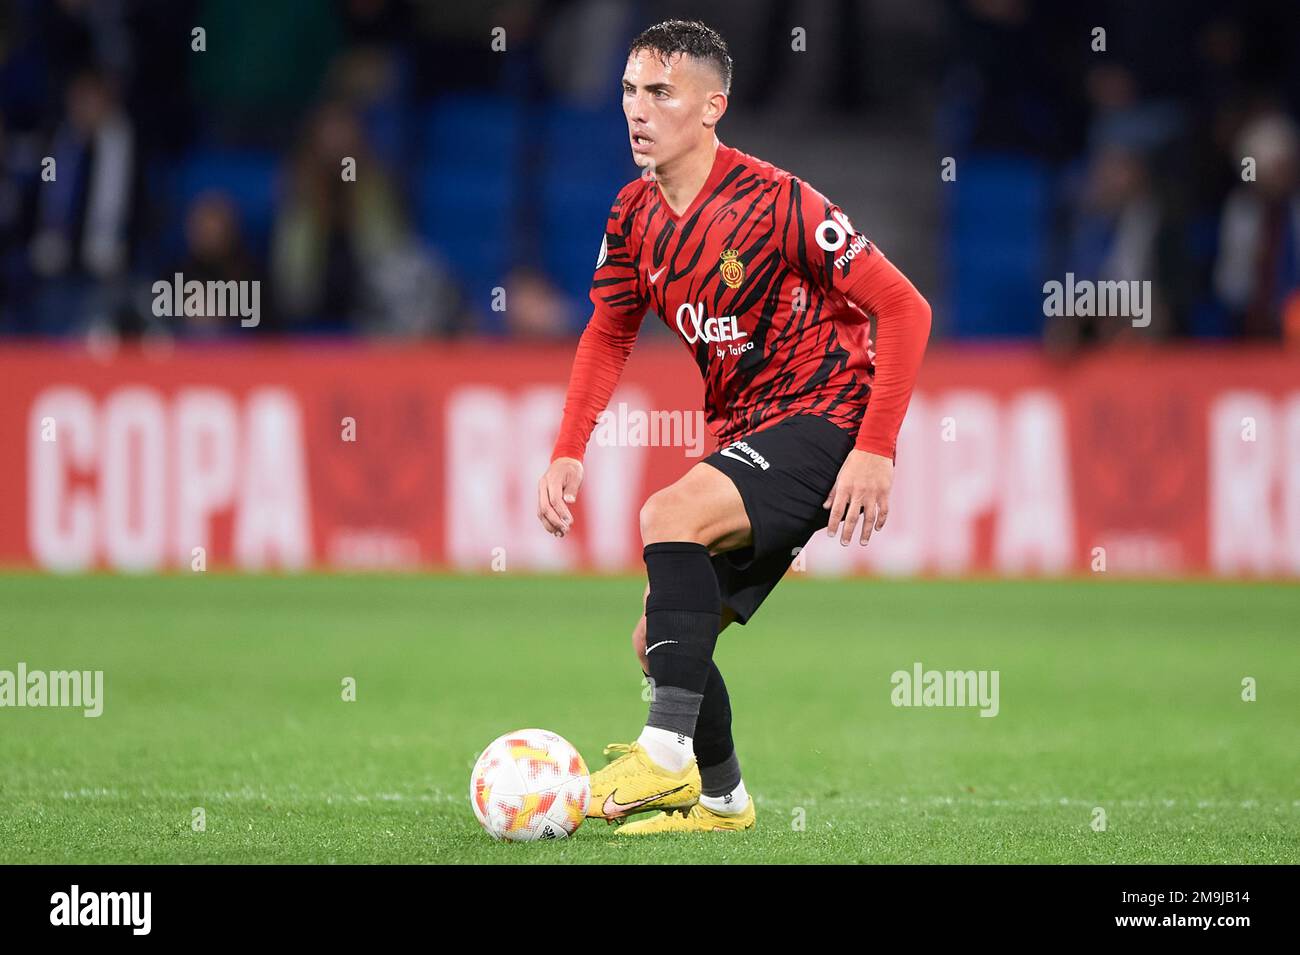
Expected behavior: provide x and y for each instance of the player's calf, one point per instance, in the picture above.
(683, 614)
(680, 526)
(638, 635)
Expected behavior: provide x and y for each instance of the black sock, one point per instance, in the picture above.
(714, 750)
(682, 614)
(713, 742)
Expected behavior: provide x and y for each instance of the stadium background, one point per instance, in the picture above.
(434, 302)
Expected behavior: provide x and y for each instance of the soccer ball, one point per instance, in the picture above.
(530, 784)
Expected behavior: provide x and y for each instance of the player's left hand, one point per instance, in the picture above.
(862, 487)
(557, 489)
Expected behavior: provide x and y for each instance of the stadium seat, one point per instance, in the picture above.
(585, 161)
(467, 188)
(999, 211)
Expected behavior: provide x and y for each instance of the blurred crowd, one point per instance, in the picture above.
(132, 149)
(1169, 144)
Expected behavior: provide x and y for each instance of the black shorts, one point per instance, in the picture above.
(784, 473)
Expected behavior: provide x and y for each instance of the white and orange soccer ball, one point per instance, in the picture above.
(530, 784)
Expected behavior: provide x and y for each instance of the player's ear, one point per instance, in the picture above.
(714, 108)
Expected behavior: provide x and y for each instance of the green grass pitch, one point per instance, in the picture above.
(224, 693)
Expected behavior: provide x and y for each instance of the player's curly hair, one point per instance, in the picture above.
(690, 37)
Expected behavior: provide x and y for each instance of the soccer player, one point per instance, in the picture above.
(770, 287)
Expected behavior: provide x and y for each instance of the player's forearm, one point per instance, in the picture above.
(902, 330)
(602, 353)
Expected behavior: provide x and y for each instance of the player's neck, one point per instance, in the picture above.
(681, 183)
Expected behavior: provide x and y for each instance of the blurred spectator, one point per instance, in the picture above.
(1123, 230)
(77, 33)
(330, 233)
(215, 251)
(535, 308)
(1258, 271)
(84, 215)
(86, 218)
(342, 254)
(1138, 134)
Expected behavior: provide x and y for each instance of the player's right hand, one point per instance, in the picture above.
(557, 489)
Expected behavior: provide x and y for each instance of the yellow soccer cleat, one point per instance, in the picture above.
(696, 819)
(632, 783)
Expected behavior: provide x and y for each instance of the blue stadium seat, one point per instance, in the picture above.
(473, 131)
(585, 162)
(472, 181)
(467, 188)
(998, 219)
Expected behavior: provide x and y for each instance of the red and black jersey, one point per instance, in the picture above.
(768, 284)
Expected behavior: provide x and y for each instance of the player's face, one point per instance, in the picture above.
(671, 108)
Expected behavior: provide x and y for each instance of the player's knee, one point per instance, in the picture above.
(665, 516)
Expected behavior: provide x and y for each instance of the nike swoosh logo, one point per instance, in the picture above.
(654, 276)
(659, 644)
(613, 808)
(735, 457)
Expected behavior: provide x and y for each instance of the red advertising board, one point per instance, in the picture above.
(340, 456)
